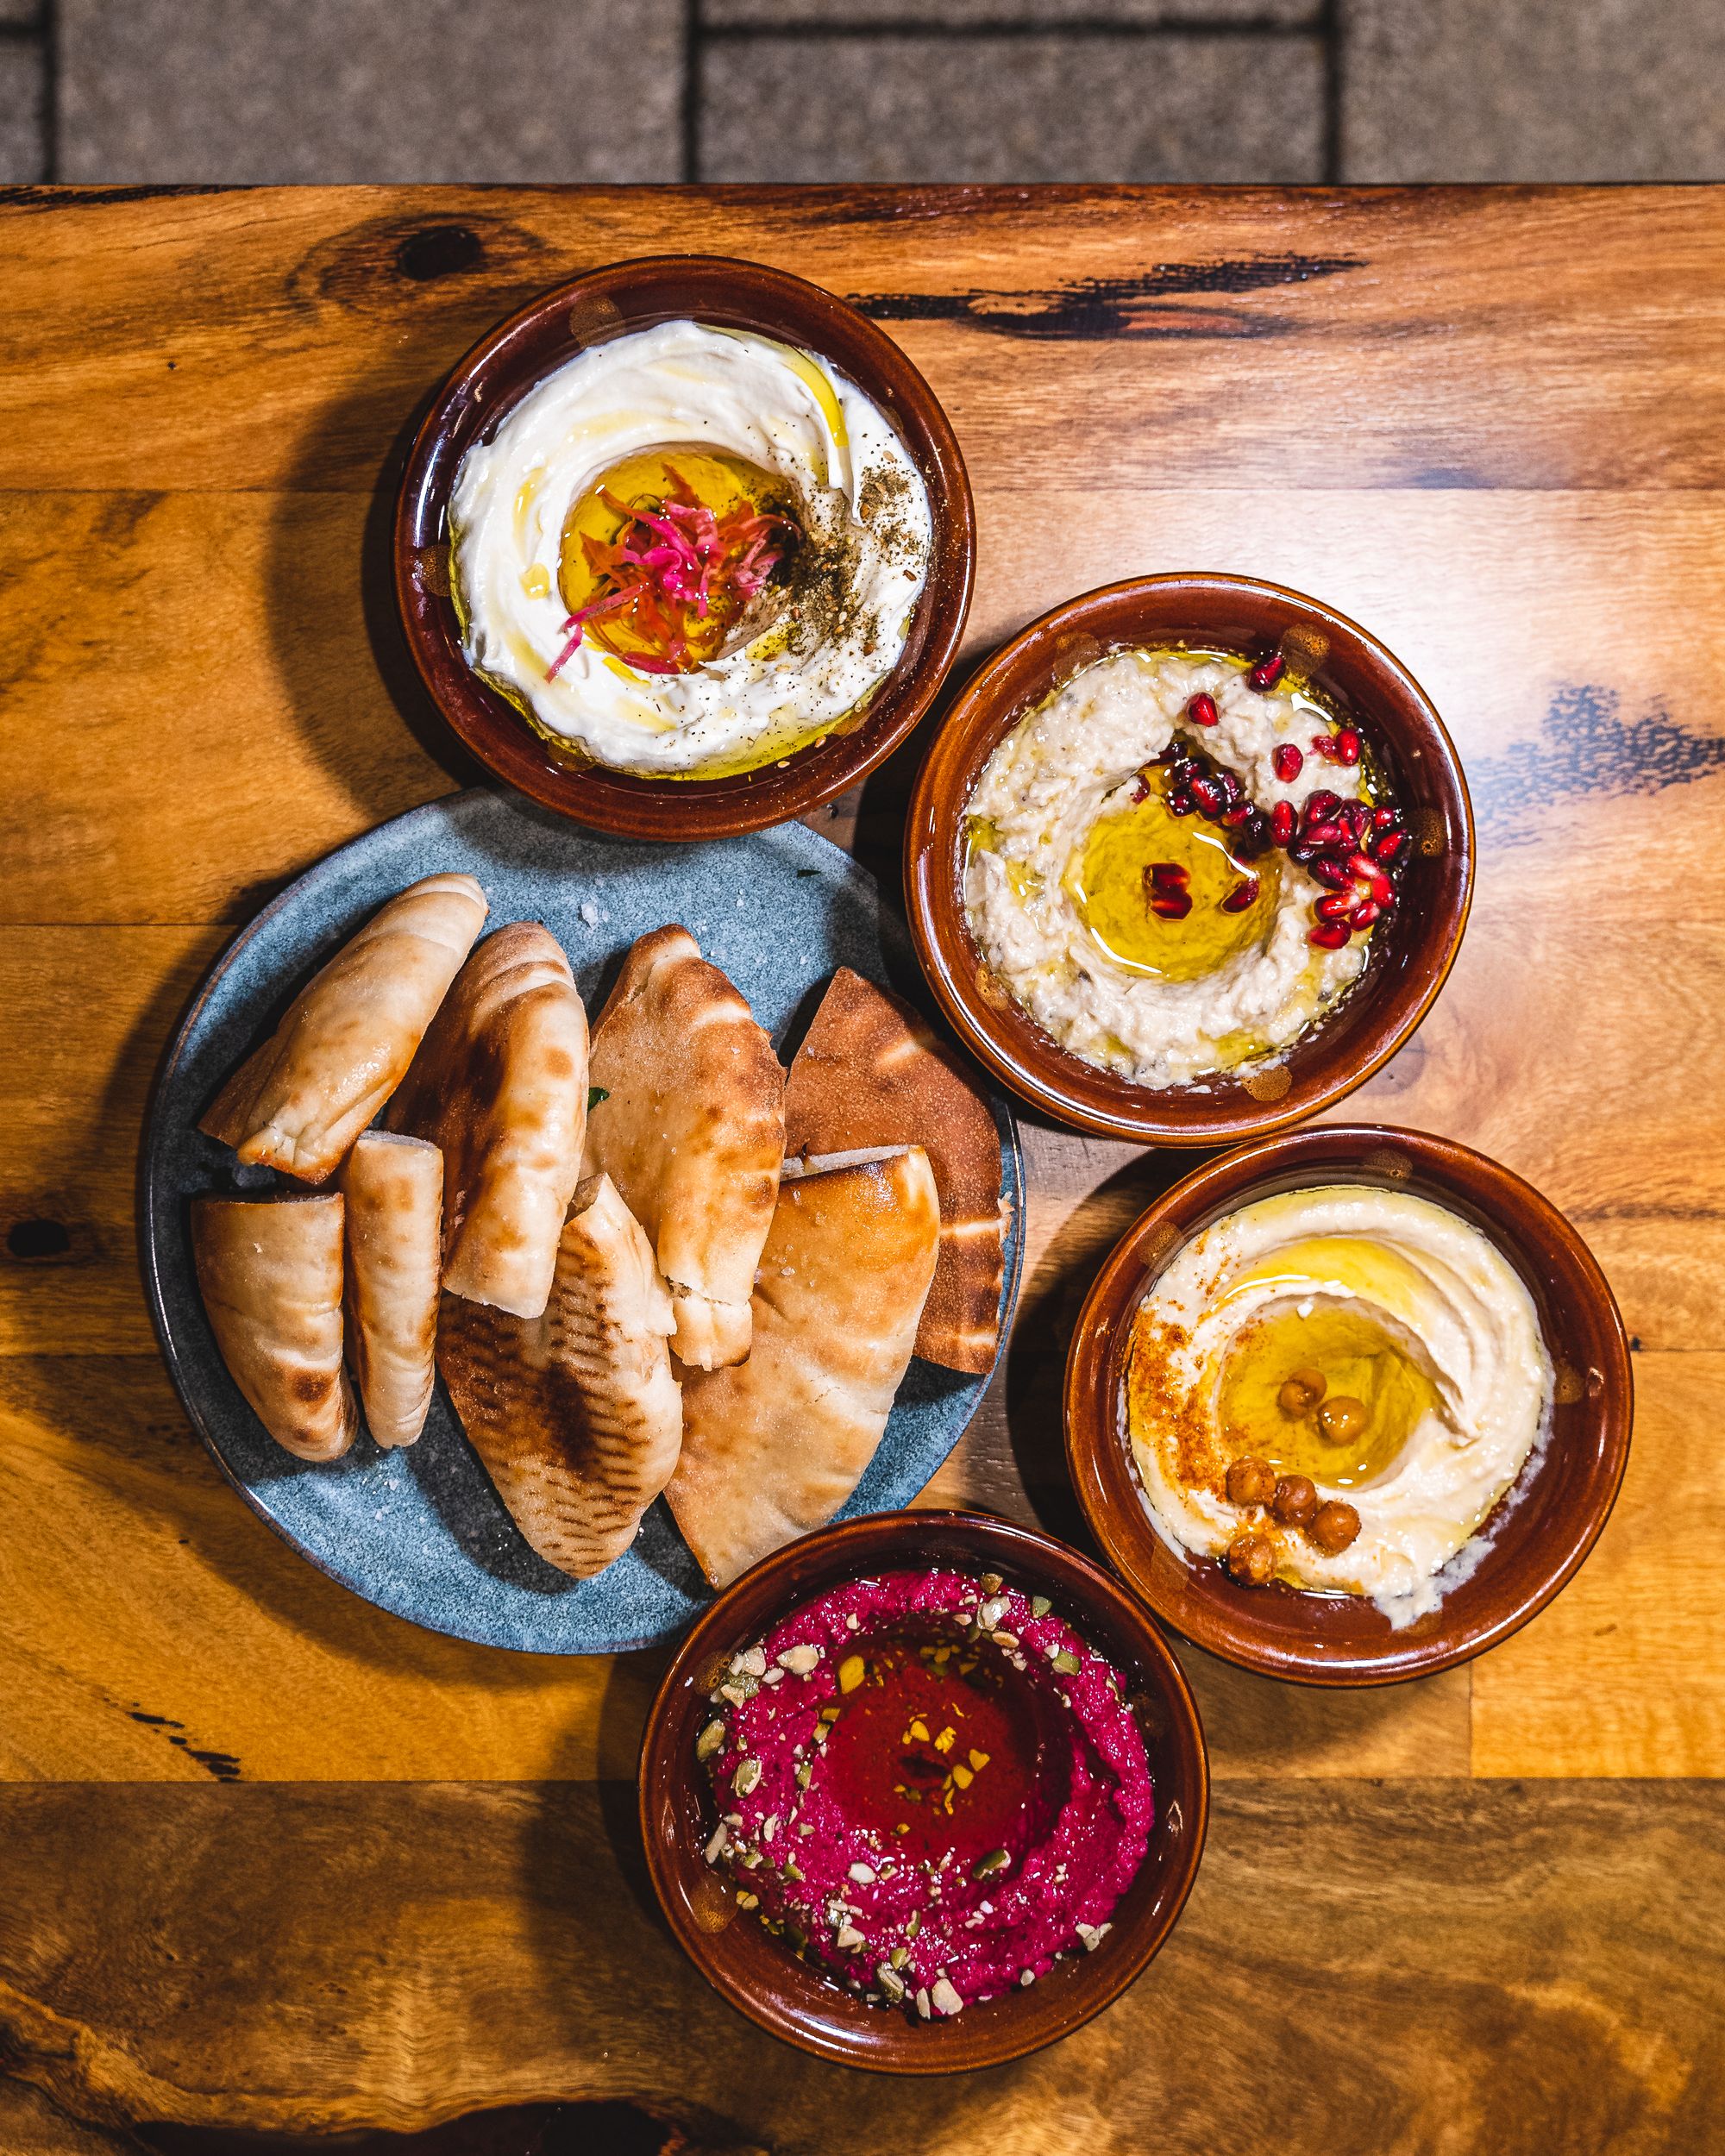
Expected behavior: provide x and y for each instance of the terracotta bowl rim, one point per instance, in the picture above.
(678, 811)
(1033, 1064)
(1105, 1482)
(984, 2035)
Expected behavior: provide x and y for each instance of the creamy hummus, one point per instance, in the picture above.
(1051, 884)
(825, 634)
(930, 1786)
(1375, 1299)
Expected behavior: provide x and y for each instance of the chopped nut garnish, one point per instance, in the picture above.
(715, 1849)
(745, 1901)
(805, 1773)
(890, 1982)
(863, 1874)
(990, 1582)
(850, 1672)
(986, 1867)
(991, 1613)
(849, 1938)
(962, 1776)
(1027, 1976)
(709, 1740)
(945, 1999)
(899, 1956)
(1005, 1639)
(800, 1660)
(752, 1662)
(946, 1739)
(923, 2007)
(1040, 1605)
(914, 1924)
(747, 1776)
(919, 1731)
(1065, 1661)
(978, 1760)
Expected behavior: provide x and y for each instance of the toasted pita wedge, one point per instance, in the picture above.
(692, 1131)
(575, 1413)
(500, 1086)
(773, 1448)
(871, 1074)
(394, 1190)
(269, 1270)
(299, 1102)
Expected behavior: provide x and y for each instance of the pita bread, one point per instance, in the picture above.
(692, 1131)
(575, 1413)
(871, 1074)
(772, 1449)
(500, 1086)
(394, 1192)
(299, 1102)
(270, 1273)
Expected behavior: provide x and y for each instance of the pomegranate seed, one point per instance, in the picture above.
(1170, 906)
(1208, 795)
(1387, 845)
(1324, 747)
(1348, 745)
(1180, 802)
(1281, 820)
(1241, 812)
(1241, 896)
(1355, 818)
(1334, 905)
(1374, 879)
(1329, 934)
(1163, 872)
(1287, 762)
(1140, 789)
(1328, 869)
(1229, 782)
(1202, 712)
(1365, 914)
(1252, 838)
(1268, 672)
(1387, 818)
(1331, 834)
(1302, 853)
(1321, 806)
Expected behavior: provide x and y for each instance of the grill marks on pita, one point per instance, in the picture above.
(270, 1271)
(773, 1447)
(869, 1073)
(692, 1131)
(394, 1192)
(574, 1413)
(302, 1098)
(501, 1086)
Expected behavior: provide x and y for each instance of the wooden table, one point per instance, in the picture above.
(273, 1860)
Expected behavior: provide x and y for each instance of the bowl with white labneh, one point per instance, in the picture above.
(684, 548)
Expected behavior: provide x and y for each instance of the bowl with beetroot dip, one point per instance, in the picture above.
(923, 1792)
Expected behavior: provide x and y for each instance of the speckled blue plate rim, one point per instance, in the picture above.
(420, 1531)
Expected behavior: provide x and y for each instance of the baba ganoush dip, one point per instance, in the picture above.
(1334, 1387)
(1177, 862)
(689, 551)
(929, 1785)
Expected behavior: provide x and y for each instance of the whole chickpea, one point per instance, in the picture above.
(1296, 1500)
(1300, 1392)
(1341, 1420)
(1333, 1526)
(1251, 1560)
(1251, 1482)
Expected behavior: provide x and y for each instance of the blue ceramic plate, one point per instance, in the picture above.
(421, 1530)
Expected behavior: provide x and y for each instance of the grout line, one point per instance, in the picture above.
(1012, 30)
(50, 29)
(1330, 29)
(693, 33)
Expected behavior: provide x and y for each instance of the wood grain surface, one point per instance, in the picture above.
(1473, 1913)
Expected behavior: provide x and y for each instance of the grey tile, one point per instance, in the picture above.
(790, 13)
(21, 14)
(1527, 89)
(370, 90)
(22, 147)
(1026, 109)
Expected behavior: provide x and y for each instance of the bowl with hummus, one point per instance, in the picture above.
(684, 548)
(923, 1792)
(1188, 859)
(1349, 1406)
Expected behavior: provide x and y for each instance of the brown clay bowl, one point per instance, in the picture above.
(1541, 1531)
(501, 367)
(1413, 951)
(755, 1971)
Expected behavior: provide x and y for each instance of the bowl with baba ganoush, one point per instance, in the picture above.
(1349, 1405)
(684, 548)
(1188, 859)
(923, 1792)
